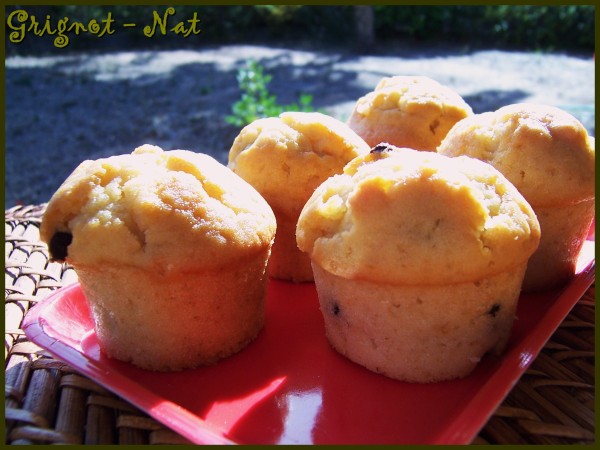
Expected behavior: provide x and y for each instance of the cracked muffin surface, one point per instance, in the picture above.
(171, 250)
(166, 209)
(408, 111)
(543, 150)
(285, 158)
(550, 158)
(418, 261)
(399, 216)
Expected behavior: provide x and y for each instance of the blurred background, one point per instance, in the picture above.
(101, 96)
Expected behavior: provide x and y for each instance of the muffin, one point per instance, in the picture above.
(547, 154)
(408, 111)
(285, 158)
(418, 261)
(171, 251)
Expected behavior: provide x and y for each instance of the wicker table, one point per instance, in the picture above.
(46, 401)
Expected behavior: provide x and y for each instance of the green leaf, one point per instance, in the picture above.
(256, 101)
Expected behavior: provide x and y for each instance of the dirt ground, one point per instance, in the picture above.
(62, 110)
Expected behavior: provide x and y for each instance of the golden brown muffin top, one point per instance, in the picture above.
(285, 158)
(166, 210)
(544, 151)
(408, 111)
(402, 216)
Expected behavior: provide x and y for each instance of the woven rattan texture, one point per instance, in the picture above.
(46, 401)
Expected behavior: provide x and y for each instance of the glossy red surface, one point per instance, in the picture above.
(290, 386)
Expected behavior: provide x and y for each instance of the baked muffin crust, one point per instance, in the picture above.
(544, 151)
(398, 216)
(285, 158)
(408, 111)
(126, 209)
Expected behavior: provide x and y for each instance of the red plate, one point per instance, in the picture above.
(289, 386)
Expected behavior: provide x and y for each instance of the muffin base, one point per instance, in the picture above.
(564, 230)
(178, 321)
(418, 334)
(287, 261)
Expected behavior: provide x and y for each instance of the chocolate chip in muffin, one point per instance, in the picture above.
(59, 245)
(335, 309)
(434, 125)
(494, 310)
(379, 148)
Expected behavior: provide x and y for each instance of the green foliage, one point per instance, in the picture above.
(523, 27)
(526, 27)
(544, 28)
(277, 13)
(256, 101)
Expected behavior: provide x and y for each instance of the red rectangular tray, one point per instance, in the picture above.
(290, 387)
